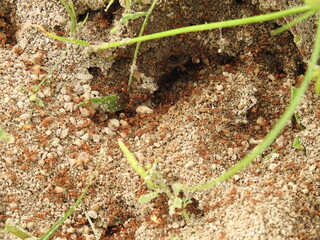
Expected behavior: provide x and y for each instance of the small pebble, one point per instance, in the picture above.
(175, 225)
(55, 142)
(85, 137)
(95, 207)
(219, 87)
(20, 104)
(273, 166)
(144, 109)
(59, 189)
(113, 124)
(123, 123)
(96, 138)
(92, 214)
(189, 164)
(64, 133)
(109, 132)
(84, 112)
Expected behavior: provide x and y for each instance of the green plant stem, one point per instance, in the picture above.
(268, 140)
(72, 14)
(209, 26)
(48, 75)
(136, 51)
(293, 22)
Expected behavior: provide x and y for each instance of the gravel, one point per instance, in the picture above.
(214, 122)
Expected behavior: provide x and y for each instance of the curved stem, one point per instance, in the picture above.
(268, 140)
(208, 26)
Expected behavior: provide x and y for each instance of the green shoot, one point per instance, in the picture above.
(109, 5)
(296, 116)
(136, 51)
(134, 163)
(34, 98)
(17, 231)
(127, 18)
(297, 144)
(293, 22)
(155, 181)
(128, 5)
(3, 136)
(97, 235)
(72, 14)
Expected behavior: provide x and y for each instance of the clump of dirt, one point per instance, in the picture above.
(7, 26)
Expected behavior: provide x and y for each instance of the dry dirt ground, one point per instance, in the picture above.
(214, 96)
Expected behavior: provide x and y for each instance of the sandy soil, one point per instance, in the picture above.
(213, 98)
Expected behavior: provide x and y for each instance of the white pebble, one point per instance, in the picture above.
(59, 189)
(47, 91)
(219, 87)
(68, 106)
(144, 109)
(63, 91)
(92, 214)
(113, 124)
(84, 112)
(85, 137)
(189, 164)
(78, 142)
(86, 88)
(78, 89)
(67, 98)
(25, 116)
(73, 121)
(109, 132)
(64, 133)
(273, 166)
(175, 225)
(230, 151)
(124, 123)
(20, 104)
(96, 138)
(55, 142)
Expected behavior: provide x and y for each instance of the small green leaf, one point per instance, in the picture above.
(126, 18)
(177, 203)
(297, 118)
(148, 197)
(68, 40)
(111, 102)
(36, 99)
(297, 144)
(177, 187)
(33, 97)
(133, 16)
(17, 231)
(3, 136)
